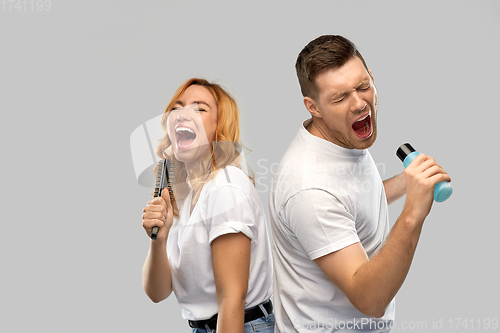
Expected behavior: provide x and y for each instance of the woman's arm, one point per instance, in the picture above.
(231, 264)
(156, 274)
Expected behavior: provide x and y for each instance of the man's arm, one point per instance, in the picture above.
(395, 188)
(371, 283)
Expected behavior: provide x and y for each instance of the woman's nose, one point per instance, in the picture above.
(186, 113)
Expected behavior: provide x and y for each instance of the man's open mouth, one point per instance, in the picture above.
(363, 127)
(184, 137)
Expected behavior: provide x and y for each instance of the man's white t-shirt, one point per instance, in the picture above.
(227, 204)
(323, 198)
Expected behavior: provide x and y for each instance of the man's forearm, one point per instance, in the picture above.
(395, 188)
(378, 281)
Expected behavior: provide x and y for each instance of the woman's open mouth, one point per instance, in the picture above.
(184, 136)
(363, 127)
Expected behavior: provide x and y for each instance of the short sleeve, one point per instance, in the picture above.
(229, 210)
(320, 222)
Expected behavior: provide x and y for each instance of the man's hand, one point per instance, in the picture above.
(421, 176)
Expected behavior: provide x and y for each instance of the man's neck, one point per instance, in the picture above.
(315, 129)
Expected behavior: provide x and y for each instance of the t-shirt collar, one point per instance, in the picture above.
(330, 146)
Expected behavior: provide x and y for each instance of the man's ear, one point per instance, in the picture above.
(312, 107)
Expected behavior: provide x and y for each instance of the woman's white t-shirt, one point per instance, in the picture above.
(227, 204)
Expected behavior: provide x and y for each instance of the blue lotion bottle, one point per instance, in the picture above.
(442, 190)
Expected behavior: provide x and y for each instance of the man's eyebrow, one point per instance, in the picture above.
(364, 82)
(343, 93)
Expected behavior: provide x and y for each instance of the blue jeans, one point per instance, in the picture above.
(261, 324)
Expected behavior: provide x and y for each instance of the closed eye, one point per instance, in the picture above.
(339, 98)
(366, 88)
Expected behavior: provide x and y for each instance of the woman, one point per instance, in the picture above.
(212, 246)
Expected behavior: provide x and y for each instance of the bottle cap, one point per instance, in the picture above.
(404, 150)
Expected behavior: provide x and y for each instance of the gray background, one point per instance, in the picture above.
(78, 79)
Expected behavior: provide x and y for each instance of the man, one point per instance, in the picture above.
(337, 267)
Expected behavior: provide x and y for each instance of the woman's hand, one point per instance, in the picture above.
(158, 213)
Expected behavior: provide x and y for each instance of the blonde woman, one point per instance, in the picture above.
(212, 246)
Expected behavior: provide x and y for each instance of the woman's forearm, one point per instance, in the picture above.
(156, 274)
(231, 262)
(231, 316)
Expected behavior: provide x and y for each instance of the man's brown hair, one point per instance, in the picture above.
(323, 53)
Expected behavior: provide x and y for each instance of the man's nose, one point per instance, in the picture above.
(358, 103)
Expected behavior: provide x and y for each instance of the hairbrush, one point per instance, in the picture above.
(163, 180)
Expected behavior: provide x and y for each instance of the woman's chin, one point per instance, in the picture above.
(191, 154)
(183, 156)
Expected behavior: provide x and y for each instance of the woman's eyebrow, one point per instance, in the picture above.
(195, 102)
(201, 102)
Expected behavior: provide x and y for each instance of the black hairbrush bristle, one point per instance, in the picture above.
(160, 183)
(171, 171)
(158, 178)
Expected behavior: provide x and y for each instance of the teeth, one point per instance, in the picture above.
(363, 117)
(183, 129)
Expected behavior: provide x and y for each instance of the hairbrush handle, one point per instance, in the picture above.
(154, 233)
(442, 190)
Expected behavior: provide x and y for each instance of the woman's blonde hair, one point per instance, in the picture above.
(225, 150)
